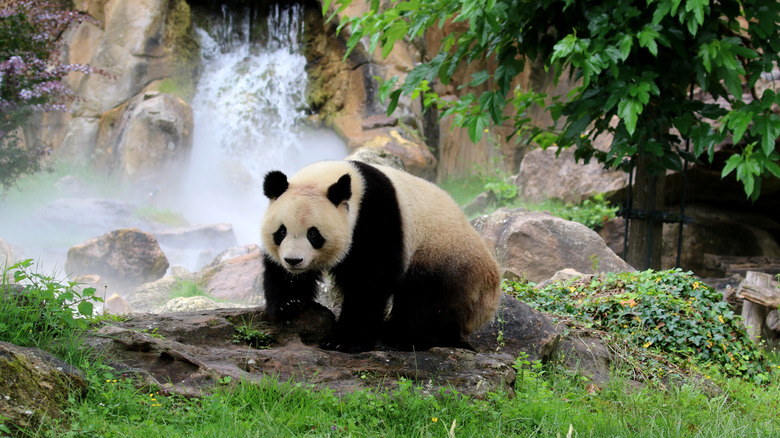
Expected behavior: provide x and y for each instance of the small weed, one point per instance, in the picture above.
(152, 332)
(161, 215)
(186, 289)
(251, 336)
(37, 308)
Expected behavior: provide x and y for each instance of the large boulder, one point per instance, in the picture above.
(151, 140)
(234, 278)
(34, 385)
(534, 246)
(123, 258)
(544, 176)
(129, 49)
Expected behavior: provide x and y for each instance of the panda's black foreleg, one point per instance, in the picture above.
(360, 321)
(287, 294)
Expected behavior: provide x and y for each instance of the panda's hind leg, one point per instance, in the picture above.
(426, 313)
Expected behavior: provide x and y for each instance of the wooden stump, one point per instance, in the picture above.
(762, 297)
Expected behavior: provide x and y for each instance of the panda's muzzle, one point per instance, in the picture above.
(293, 262)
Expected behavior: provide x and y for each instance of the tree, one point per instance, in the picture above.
(635, 66)
(31, 74)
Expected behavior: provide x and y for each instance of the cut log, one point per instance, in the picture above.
(761, 295)
(773, 321)
(754, 316)
(760, 288)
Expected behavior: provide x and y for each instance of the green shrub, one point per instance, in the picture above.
(667, 311)
(592, 212)
(186, 289)
(35, 308)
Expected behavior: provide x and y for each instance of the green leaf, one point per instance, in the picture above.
(773, 168)
(738, 122)
(393, 104)
(629, 110)
(479, 78)
(85, 308)
(647, 37)
(767, 127)
(564, 47)
(477, 123)
(625, 46)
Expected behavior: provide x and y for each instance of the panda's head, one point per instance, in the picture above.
(308, 224)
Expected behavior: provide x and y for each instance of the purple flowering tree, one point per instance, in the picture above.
(31, 73)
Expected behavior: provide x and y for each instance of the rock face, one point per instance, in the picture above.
(33, 384)
(197, 348)
(123, 258)
(534, 246)
(152, 139)
(234, 279)
(543, 176)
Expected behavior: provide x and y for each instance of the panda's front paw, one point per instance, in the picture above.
(339, 343)
(286, 310)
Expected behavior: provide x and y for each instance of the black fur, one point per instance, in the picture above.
(424, 312)
(371, 272)
(286, 294)
(341, 190)
(275, 184)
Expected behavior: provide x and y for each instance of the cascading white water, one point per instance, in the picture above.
(249, 119)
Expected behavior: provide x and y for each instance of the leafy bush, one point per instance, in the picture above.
(668, 311)
(186, 289)
(31, 78)
(592, 212)
(37, 308)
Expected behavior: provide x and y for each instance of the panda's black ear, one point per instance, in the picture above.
(275, 184)
(341, 190)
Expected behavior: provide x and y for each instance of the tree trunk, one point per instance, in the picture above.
(645, 234)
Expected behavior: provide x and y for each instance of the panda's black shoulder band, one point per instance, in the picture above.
(275, 184)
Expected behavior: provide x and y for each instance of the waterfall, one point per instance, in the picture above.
(249, 112)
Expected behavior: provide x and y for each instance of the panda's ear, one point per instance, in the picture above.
(341, 190)
(275, 184)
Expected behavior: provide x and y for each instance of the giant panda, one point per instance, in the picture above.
(380, 233)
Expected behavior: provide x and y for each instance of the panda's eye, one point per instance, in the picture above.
(280, 234)
(315, 238)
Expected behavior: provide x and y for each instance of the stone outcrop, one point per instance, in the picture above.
(234, 279)
(123, 258)
(33, 385)
(192, 350)
(534, 246)
(151, 141)
(544, 176)
(130, 44)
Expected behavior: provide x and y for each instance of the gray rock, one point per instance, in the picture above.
(543, 176)
(33, 385)
(123, 258)
(534, 246)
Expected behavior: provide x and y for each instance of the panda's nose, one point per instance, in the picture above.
(293, 262)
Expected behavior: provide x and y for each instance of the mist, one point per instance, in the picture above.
(249, 117)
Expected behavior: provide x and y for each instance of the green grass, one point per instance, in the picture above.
(547, 404)
(592, 212)
(548, 400)
(187, 289)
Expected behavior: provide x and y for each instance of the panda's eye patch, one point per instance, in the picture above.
(315, 238)
(280, 234)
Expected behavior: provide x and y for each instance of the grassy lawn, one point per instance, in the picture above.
(706, 399)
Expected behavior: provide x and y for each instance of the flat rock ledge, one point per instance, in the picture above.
(190, 352)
